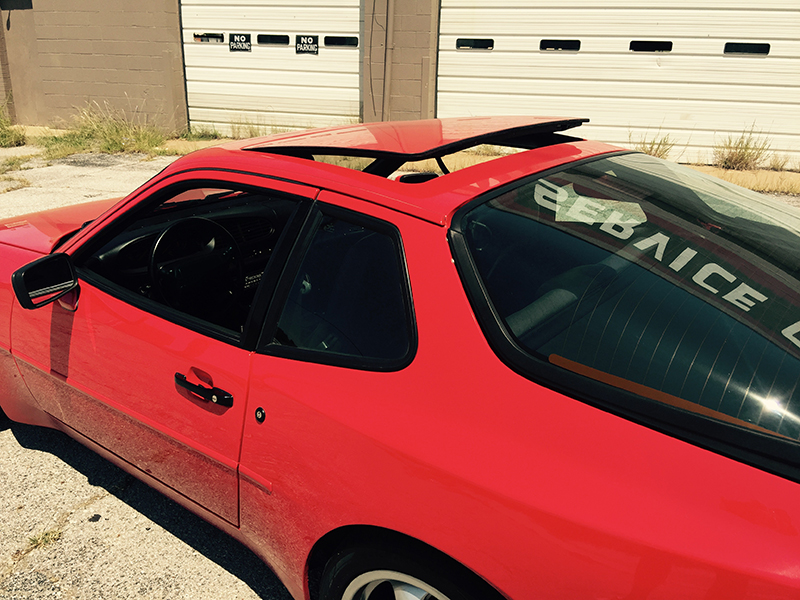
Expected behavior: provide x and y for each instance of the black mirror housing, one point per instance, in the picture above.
(43, 281)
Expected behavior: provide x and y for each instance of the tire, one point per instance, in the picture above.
(363, 573)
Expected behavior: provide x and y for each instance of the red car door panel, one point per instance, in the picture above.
(108, 371)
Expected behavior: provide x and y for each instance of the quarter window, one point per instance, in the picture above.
(348, 302)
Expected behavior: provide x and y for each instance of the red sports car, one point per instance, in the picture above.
(569, 372)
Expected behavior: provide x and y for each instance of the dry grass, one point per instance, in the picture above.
(659, 146)
(104, 129)
(11, 136)
(778, 162)
(9, 183)
(775, 182)
(744, 153)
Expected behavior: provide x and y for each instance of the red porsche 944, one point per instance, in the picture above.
(567, 372)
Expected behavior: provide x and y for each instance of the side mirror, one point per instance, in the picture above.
(43, 281)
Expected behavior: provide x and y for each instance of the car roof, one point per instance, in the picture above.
(391, 144)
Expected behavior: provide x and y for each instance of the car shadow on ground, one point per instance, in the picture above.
(187, 527)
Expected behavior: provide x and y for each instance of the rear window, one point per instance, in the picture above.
(651, 278)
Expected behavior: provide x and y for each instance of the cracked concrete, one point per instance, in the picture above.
(72, 180)
(119, 539)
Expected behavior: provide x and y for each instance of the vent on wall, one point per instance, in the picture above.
(217, 38)
(745, 48)
(640, 46)
(272, 39)
(560, 45)
(474, 43)
(340, 40)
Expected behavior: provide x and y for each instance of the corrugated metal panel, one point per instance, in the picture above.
(271, 87)
(695, 93)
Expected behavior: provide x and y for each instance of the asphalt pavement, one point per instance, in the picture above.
(72, 525)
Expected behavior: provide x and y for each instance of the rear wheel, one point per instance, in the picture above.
(361, 573)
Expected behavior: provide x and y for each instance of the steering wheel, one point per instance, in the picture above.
(196, 267)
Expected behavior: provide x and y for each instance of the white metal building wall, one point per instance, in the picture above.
(274, 85)
(696, 92)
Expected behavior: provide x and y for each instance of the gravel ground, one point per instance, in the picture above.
(72, 525)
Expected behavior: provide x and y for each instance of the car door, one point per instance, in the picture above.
(154, 363)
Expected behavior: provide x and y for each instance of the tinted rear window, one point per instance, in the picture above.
(654, 279)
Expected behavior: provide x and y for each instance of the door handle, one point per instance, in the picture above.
(209, 394)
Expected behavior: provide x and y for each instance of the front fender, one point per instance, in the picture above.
(15, 398)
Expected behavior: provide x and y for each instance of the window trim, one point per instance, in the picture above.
(762, 450)
(287, 278)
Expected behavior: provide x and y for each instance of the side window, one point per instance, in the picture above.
(200, 251)
(349, 301)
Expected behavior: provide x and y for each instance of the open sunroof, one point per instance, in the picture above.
(392, 144)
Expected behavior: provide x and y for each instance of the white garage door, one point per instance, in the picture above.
(260, 66)
(697, 71)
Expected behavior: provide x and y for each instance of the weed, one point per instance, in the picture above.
(773, 182)
(9, 183)
(10, 135)
(250, 129)
(658, 146)
(778, 162)
(43, 539)
(743, 153)
(13, 163)
(200, 133)
(105, 130)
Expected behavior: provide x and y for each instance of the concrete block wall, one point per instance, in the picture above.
(400, 38)
(64, 55)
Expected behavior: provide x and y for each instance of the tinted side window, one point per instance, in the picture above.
(199, 252)
(349, 297)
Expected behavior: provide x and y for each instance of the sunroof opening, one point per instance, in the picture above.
(404, 151)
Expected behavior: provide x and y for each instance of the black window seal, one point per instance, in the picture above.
(248, 338)
(761, 450)
(290, 270)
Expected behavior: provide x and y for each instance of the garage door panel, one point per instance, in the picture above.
(268, 68)
(611, 68)
(272, 84)
(693, 88)
(230, 77)
(258, 122)
(261, 3)
(612, 21)
(644, 90)
(628, 4)
(609, 47)
(729, 115)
